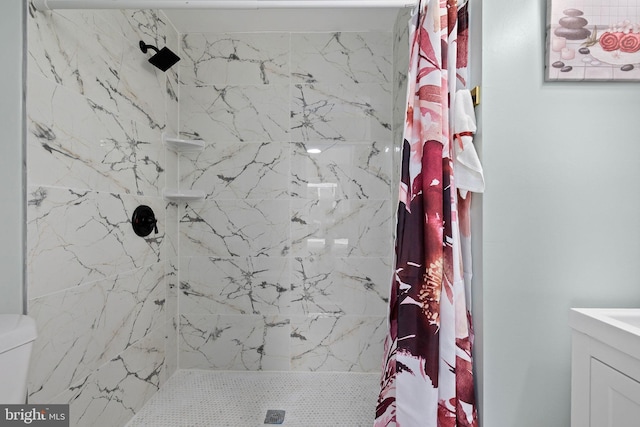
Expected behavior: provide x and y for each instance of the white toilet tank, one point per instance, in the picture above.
(17, 333)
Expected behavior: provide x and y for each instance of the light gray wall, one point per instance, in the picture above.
(11, 159)
(560, 225)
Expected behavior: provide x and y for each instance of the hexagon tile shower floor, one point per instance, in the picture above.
(243, 399)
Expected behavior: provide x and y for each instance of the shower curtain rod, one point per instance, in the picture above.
(217, 4)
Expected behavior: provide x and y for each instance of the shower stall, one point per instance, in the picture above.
(275, 211)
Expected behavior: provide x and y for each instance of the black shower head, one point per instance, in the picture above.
(163, 59)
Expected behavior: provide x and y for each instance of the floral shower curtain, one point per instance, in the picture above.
(427, 377)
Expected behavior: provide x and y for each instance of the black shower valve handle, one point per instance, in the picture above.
(151, 222)
(144, 221)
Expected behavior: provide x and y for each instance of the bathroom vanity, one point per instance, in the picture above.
(605, 367)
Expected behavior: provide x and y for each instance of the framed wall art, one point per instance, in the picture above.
(593, 40)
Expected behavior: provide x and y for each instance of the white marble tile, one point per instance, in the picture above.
(166, 32)
(171, 319)
(129, 24)
(337, 343)
(76, 237)
(234, 285)
(234, 342)
(238, 171)
(172, 103)
(341, 170)
(172, 171)
(108, 94)
(102, 65)
(111, 395)
(82, 328)
(341, 112)
(235, 228)
(145, 296)
(96, 110)
(232, 59)
(371, 176)
(101, 59)
(53, 48)
(171, 38)
(75, 142)
(65, 350)
(170, 243)
(401, 51)
(235, 113)
(148, 25)
(342, 57)
(140, 90)
(341, 227)
(325, 284)
(171, 349)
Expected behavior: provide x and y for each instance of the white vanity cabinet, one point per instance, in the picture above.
(605, 367)
(615, 397)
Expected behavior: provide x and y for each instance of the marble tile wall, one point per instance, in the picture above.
(401, 50)
(104, 299)
(286, 264)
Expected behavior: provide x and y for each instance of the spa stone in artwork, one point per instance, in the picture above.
(573, 12)
(572, 34)
(572, 26)
(573, 23)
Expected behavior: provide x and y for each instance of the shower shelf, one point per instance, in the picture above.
(183, 195)
(182, 145)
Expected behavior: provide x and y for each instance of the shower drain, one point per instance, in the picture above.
(274, 416)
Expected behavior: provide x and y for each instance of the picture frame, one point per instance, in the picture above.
(593, 40)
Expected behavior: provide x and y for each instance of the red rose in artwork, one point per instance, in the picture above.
(630, 43)
(609, 41)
